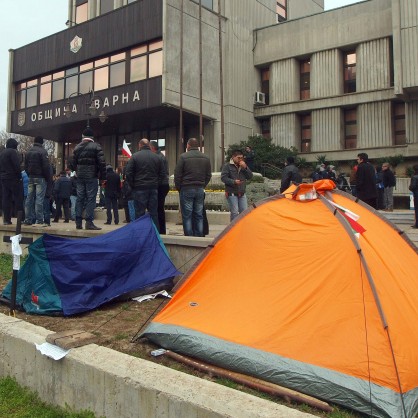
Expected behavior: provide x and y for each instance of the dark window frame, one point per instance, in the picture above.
(399, 135)
(305, 79)
(350, 140)
(350, 73)
(305, 127)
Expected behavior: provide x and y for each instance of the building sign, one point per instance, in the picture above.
(76, 44)
(109, 102)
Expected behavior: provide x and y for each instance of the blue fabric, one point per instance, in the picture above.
(192, 200)
(92, 271)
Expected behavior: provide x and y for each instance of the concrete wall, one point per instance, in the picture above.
(115, 385)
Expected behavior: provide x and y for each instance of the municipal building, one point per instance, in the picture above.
(331, 83)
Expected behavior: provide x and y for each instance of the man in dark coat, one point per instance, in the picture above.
(112, 194)
(89, 164)
(290, 174)
(38, 169)
(62, 193)
(144, 172)
(389, 182)
(11, 180)
(366, 180)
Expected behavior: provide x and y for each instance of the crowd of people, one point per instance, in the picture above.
(32, 187)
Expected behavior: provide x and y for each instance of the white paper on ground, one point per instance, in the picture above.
(152, 296)
(52, 351)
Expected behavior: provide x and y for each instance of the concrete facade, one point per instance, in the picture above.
(381, 34)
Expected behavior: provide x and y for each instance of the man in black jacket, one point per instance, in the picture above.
(11, 180)
(144, 172)
(89, 164)
(38, 170)
(366, 180)
(191, 175)
(112, 194)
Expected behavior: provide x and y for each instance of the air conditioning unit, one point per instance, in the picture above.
(259, 98)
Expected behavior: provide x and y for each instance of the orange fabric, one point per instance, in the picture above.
(287, 279)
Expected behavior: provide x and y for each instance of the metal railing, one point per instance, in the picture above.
(272, 167)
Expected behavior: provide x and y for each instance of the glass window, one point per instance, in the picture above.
(399, 125)
(306, 132)
(71, 71)
(350, 128)
(101, 78)
(31, 96)
(350, 72)
(156, 45)
(106, 6)
(138, 68)
(71, 85)
(21, 99)
(86, 82)
(45, 93)
(118, 57)
(265, 128)
(117, 74)
(138, 51)
(59, 74)
(86, 67)
(101, 62)
(58, 90)
(81, 13)
(265, 84)
(281, 10)
(206, 3)
(305, 79)
(131, 1)
(155, 64)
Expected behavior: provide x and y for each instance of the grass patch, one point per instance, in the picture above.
(19, 402)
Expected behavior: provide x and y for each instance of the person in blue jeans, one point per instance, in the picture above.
(38, 168)
(234, 175)
(413, 187)
(191, 175)
(88, 162)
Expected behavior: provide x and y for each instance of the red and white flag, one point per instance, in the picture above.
(125, 149)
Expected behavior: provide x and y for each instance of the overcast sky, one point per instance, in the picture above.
(25, 21)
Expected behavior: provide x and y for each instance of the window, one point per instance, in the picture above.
(32, 93)
(265, 128)
(350, 72)
(350, 128)
(81, 13)
(305, 79)
(106, 6)
(398, 117)
(45, 91)
(281, 10)
(206, 3)
(139, 63)
(306, 132)
(265, 84)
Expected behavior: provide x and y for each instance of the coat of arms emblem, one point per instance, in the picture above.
(76, 44)
(21, 118)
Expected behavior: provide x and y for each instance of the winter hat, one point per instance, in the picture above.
(88, 133)
(11, 143)
(39, 140)
(109, 168)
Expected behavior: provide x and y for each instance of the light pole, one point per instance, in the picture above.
(93, 103)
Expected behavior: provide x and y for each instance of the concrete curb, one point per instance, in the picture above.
(115, 385)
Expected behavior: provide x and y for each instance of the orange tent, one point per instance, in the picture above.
(310, 290)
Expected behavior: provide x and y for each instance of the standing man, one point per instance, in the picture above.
(11, 180)
(163, 187)
(112, 194)
(366, 181)
(38, 170)
(290, 174)
(191, 175)
(144, 172)
(249, 157)
(89, 164)
(389, 182)
(235, 175)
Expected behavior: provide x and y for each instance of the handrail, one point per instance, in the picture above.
(271, 167)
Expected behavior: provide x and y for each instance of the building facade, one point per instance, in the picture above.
(331, 83)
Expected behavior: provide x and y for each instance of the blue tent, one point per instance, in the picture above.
(70, 276)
